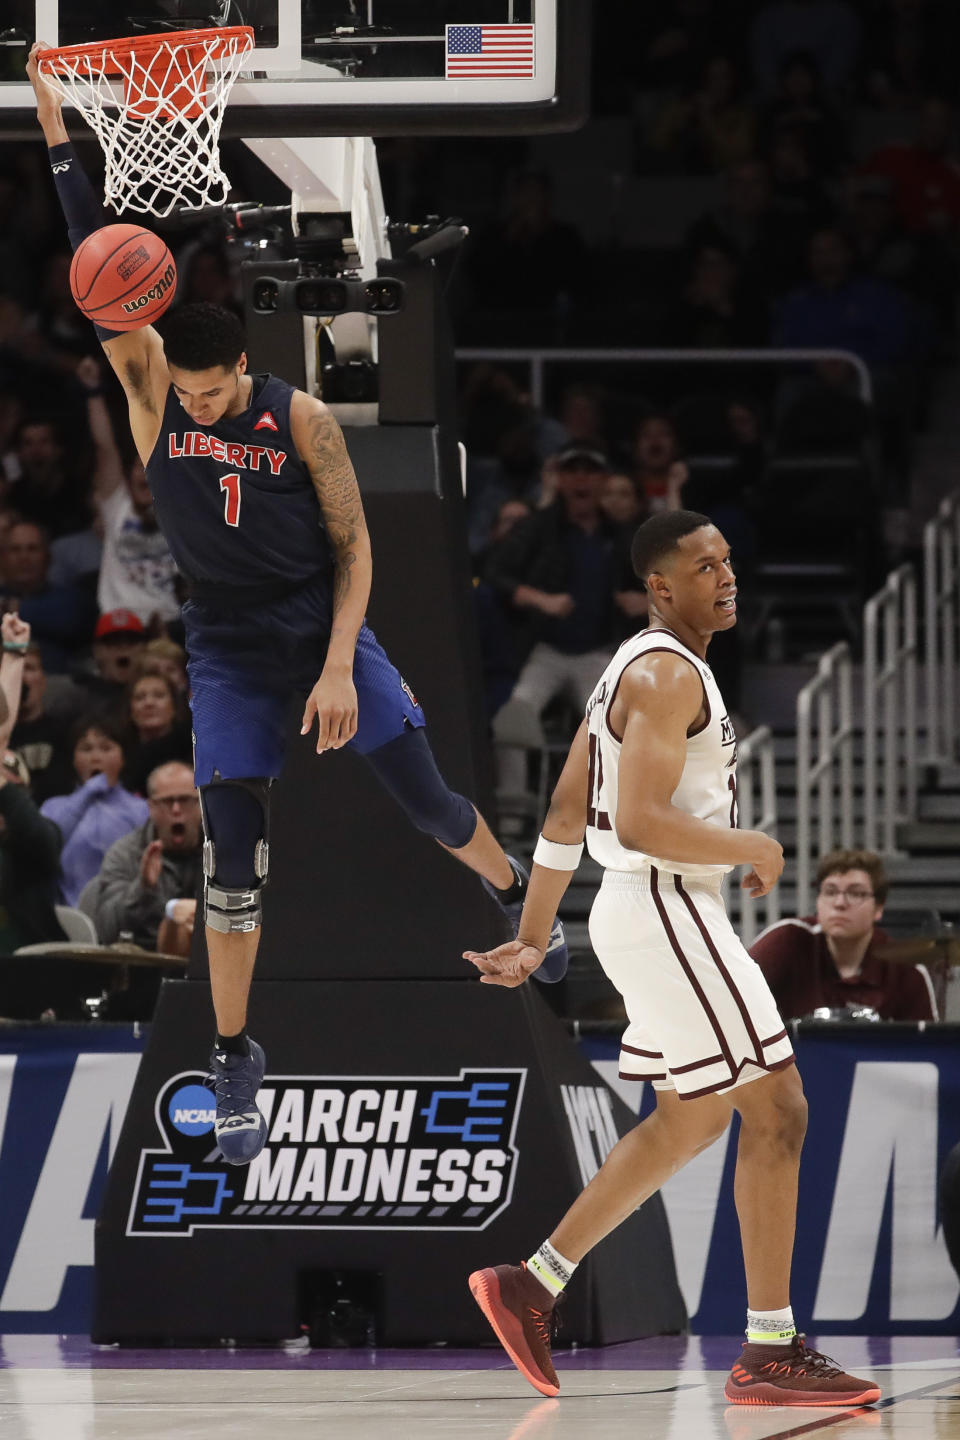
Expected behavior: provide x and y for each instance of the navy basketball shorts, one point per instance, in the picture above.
(246, 666)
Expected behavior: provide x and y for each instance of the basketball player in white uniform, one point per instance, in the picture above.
(650, 780)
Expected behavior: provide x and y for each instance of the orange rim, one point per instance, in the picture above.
(138, 45)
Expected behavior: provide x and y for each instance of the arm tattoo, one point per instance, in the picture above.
(336, 486)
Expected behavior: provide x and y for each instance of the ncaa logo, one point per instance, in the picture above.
(192, 1110)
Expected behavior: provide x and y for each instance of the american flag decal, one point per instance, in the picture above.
(490, 52)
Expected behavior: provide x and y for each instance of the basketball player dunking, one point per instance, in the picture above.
(257, 498)
(651, 781)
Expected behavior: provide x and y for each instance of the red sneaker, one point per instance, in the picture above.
(793, 1375)
(521, 1313)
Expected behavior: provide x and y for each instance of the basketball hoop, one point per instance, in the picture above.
(160, 139)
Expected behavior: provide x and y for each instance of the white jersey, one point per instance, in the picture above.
(708, 785)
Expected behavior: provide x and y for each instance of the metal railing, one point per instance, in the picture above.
(890, 710)
(824, 724)
(941, 592)
(539, 359)
(756, 780)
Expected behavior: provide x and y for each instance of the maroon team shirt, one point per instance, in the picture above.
(799, 969)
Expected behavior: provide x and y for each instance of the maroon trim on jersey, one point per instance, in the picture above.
(628, 1075)
(726, 1084)
(774, 1039)
(715, 956)
(656, 650)
(687, 968)
(695, 1065)
(665, 630)
(647, 1054)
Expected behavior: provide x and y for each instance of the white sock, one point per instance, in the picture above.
(771, 1327)
(551, 1268)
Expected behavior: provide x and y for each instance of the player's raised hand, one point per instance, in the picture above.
(509, 965)
(47, 97)
(333, 702)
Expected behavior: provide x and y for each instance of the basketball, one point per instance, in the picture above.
(123, 277)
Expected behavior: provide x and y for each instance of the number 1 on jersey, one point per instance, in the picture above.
(230, 485)
(596, 817)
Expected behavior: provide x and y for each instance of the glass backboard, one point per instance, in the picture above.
(346, 67)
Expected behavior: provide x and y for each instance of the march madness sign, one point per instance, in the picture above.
(342, 1153)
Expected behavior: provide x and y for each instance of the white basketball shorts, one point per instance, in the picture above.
(701, 1016)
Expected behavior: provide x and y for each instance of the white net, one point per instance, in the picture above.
(159, 128)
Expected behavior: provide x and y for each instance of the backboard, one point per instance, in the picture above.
(347, 67)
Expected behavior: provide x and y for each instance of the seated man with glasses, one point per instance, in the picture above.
(149, 877)
(832, 960)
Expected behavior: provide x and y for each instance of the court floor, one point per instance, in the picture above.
(671, 1388)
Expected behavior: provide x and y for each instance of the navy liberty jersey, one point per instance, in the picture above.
(234, 500)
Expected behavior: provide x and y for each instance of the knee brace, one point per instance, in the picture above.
(236, 852)
(407, 769)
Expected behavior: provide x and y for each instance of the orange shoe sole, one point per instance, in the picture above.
(764, 1395)
(485, 1289)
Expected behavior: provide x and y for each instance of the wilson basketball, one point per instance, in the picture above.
(123, 277)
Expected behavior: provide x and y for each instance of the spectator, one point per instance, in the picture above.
(660, 473)
(99, 810)
(11, 419)
(29, 844)
(924, 173)
(708, 128)
(801, 109)
(60, 616)
(63, 333)
(682, 36)
(910, 49)
(166, 657)
(831, 960)
(844, 311)
(155, 864)
(529, 270)
(922, 265)
(621, 503)
(47, 489)
(583, 417)
(560, 570)
(498, 647)
(746, 224)
(39, 735)
(799, 197)
(137, 570)
(118, 641)
(712, 311)
(206, 276)
(159, 730)
(828, 30)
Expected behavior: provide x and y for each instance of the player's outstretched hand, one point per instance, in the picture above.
(333, 701)
(510, 964)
